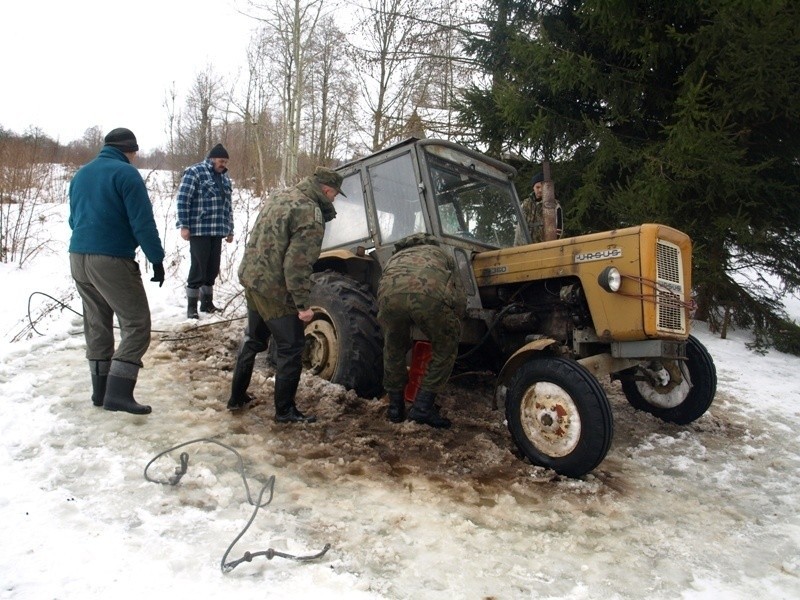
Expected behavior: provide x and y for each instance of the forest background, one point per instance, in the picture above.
(685, 113)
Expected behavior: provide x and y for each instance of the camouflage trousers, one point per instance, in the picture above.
(397, 314)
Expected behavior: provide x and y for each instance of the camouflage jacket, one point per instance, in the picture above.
(283, 246)
(420, 267)
(532, 210)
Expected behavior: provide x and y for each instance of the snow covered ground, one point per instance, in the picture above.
(707, 510)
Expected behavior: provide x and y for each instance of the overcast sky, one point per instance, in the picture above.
(71, 65)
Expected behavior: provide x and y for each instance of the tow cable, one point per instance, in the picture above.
(64, 306)
(270, 553)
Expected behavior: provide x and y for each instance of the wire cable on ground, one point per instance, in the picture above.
(173, 339)
(270, 553)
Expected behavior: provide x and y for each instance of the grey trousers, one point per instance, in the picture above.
(110, 286)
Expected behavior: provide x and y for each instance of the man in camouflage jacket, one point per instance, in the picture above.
(276, 273)
(533, 212)
(419, 286)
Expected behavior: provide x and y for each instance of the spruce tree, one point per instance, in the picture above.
(684, 112)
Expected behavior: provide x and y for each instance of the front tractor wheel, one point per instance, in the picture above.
(688, 393)
(343, 342)
(559, 416)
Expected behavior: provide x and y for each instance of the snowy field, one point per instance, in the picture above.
(707, 510)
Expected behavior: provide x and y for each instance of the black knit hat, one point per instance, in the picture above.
(537, 178)
(218, 151)
(122, 139)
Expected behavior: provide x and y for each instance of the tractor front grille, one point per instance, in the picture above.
(670, 290)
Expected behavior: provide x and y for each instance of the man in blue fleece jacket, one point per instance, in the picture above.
(110, 216)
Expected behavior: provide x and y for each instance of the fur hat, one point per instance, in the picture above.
(330, 178)
(122, 139)
(218, 151)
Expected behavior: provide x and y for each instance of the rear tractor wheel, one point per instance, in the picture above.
(343, 342)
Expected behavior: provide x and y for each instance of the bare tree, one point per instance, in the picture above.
(386, 55)
(93, 138)
(287, 31)
(332, 95)
(79, 152)
(445, 67)
(29, 189)
(258, 158)
(172, 130)
(303, 101)
(204, 106)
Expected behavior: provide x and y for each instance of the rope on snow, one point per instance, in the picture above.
(270, 553)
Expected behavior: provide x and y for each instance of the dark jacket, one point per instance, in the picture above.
(110, 210)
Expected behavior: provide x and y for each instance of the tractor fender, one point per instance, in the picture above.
(357, 265)
(515, 361)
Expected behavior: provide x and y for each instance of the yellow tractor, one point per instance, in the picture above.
(550, 319)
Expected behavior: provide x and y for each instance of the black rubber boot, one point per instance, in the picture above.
(251, 345)
(119, 396)
(242, 373)
(99, 369)
(397, 407)
(207, 300)
(285, 408)
(426, 412)
(239, 402)
(191, 309)
(241, 381)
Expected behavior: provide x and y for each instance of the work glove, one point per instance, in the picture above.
(158, 274)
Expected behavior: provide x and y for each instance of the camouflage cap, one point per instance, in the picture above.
(417, 239)
(330, 178)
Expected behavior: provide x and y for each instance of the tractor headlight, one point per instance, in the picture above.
(610, 279)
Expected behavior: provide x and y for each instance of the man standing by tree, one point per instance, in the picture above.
(205, 216)
(276, 273)
(111, 215)
(533, 211)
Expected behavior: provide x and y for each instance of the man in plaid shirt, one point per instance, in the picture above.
(205, 216)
